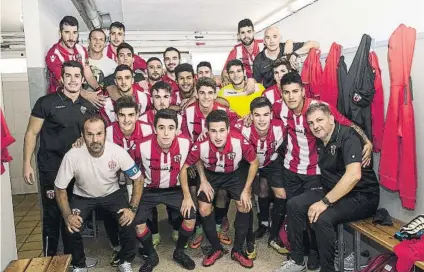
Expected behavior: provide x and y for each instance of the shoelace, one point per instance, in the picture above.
(287, 264)
(350, 258)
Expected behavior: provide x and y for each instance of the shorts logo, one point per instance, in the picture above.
(231, 156)
(177, 158)
(333, 150)
(83, 110)
(357, 97)
(50, 194)
(112, 165)
(52, 58)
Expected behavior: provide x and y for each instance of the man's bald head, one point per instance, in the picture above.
(272, 38)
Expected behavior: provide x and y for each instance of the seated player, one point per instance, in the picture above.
(162, 156)
(95, 167)
(124, 80)
(218, 159)
(348, 193)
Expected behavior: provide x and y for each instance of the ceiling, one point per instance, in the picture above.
(165, 15)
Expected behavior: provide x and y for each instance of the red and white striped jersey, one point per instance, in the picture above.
(176, 98)
(266, 149)
(272, 93)
(138, 64)
(301, 155)
(131, 144)
(194, 122)
(226, 161)
(161, 169)
(171, 82)
(149, 117)
(55, 58)
(240, 52)
(142, 99)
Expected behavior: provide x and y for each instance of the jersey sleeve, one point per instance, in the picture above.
(232, 55)
(139, 63)
(339, 117)
(184, 127)
(39, 110)
(54, 65)
(127, 164)
(249, 153)
(194, 154)
(352, 149)
(297, 45)
(66, 172)
(276, 110)
(233, 117)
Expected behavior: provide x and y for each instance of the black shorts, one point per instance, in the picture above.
(296, 184)
(233, 183)
(193, 181)
(273, 173)
(172, 198)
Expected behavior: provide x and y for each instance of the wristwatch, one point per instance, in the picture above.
(133, 208)
(326, 201)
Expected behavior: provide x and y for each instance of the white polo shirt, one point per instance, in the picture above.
(95, 176)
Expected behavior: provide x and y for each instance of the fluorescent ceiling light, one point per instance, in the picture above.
(273, 18)
(299, 4)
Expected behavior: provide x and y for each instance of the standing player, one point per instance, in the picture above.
(57, 118)
(117, 37)
(67, 49)
(171, 58)
(154, 73)
(219, 157)
(162, 157)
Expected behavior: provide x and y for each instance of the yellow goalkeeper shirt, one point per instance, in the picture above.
(238, 99)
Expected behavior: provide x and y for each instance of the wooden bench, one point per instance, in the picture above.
(46, 264)
(383, 235)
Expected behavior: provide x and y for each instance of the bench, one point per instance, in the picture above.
(45, 264)
(383, 235)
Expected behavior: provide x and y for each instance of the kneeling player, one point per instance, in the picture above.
(218, 158)
(162, 156)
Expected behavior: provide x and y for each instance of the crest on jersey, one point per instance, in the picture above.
(177, 158)
(357, 97)
(50, 194)
(333, 150)
(231, 156)
(78, 57)
(273, 144)
(52, 58)
(112, 165)
(83, 110)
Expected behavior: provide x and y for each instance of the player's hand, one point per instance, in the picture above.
(191, 172)
(29, 175)
(293, 62)
(186, 206)
(207, 189)
(78, 143)
(127, 217)
(366, 154)
(202, 135)
(247, 120)
(98, 101)
(74, 223)
(246, 199)
(250, 86)
(187, 102)
(315, 210)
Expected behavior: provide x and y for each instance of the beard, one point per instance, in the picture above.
(154, 77)
(247, 43)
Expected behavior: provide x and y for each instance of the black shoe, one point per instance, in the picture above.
(142, 252)
(313, 260)
(114, 262)
(150, 262)
(183, 259)
(260, 231)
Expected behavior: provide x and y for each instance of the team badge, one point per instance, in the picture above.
(273, 144)
(52, 58)
(83, 110)
(112, 165)
(78, 57)
(357, 97)
(50, 194)
(333, 150)
(177, 158)
(231, 156)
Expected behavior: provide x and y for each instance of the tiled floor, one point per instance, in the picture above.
(28, 225)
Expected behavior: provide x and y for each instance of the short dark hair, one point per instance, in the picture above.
(216, 116)
(172, 49)
(318, 106)
(72, 63)
(281, 61)
(93, 118)
(291, 77)
(123, 67)
(125, 102)
(161, 85)
(234, 62)
(260, 102)
(153, 59)
(117, 25)
(184, 67)
(68, 20)
(204, 64)
(244, 23)
(96, 30)
(124, 45)
(166, 114)
(207, 82)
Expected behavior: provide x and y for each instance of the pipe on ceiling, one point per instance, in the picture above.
(91, 15)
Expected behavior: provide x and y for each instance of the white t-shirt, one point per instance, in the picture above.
(102, 68)
(95, 176)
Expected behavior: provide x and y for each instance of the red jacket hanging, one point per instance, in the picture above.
(329, 90)
(311, 73)
(398, 163)
(377, 106)
(6, 140)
